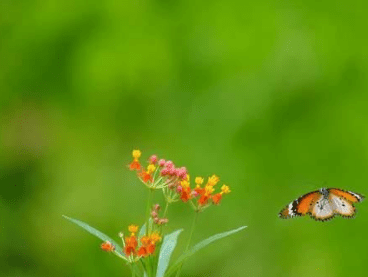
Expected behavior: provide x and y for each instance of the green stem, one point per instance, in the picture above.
(133, 270)
(190, 238)
(150, 193)
(166, 209)
(164, 216)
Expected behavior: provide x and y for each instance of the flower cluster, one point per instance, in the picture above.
(145, 251)
(155, 217)
(158, 174)
(175, 182)
(135, 247)
(140, 247)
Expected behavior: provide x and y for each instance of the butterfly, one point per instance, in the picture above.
(323, 204)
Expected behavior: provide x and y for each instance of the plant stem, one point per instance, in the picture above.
(166, 209)
(150, 193)
(190, 238)
(133, 270)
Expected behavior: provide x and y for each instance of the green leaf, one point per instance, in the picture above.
(199, 246)
(167, 249)
(98, 234)
(142, 231)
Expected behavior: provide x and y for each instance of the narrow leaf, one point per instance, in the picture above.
(142, 231)
(96, 233)
(167, 249)
(199, 246)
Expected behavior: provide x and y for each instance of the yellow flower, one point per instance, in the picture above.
(213, 180)
(136, 154)
(209, 189)
(151, 168)
(225, 189)
(184, 184)
(155, 237)
(133, 229)
(199, 180)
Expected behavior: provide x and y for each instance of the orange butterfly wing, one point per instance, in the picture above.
(348, 195)
(306, 202)
(300, 206)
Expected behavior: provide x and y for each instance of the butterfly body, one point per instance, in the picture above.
(323, 204)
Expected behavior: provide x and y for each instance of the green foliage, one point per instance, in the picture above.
(97, 233)
(199, 246)
(167, 248)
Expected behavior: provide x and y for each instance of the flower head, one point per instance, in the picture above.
(133, 229)
(199, 180)
(153, 159)
(217, 198)
(225, 189)
(213, 180)
(151, 168)
(107, 246)
(155, 237)
(161, 162)
(136, 154)
(135, 165)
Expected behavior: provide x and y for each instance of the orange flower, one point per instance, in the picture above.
(148, 245)
(203, 200)
(128, 250)
(135, 165)
(217, 198)
(151, 248)
(185, 194)
(131, 241)
(199, 190)
(142, 251)
(145, 176)
(130, 245)
(107, 246)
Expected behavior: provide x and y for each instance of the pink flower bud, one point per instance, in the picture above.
(156, 220)
(171, 171)
(161, 162)
(157, 207)
(154, 214)
(164, 172)
(182, 173)
(169, 164)
(153, 159)
(194, 193)
(178, 172)
(163, 221)
(179, 189)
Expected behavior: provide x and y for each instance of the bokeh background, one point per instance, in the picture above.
(269, 95)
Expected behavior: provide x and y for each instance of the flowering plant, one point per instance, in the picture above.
(147, 250)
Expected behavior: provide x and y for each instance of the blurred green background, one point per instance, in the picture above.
(269, 95)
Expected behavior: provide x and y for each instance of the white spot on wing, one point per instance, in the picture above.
(342, 206)
(290, 209)
(322, 209)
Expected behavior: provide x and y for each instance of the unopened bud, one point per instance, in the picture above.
(161, 162)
